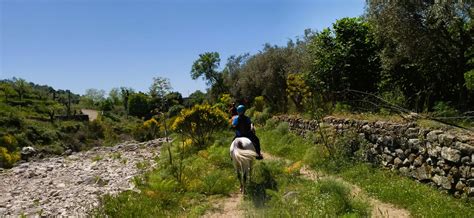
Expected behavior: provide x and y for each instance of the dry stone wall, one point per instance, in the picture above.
(439, 157)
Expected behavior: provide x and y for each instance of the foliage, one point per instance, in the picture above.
(443, 109)
(434, 72)
(160, 87)
(138, 105)
(344, 57)
(21, 87)
(259, 103)
(148, 131)
(199, 123)
(206, 67)
(298, 91)
(175, 110)
(8, 158)
(94, 96)
(195, 98)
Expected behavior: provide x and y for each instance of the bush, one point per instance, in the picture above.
(175, 110)
(7, 158)
(149, 130)
(9, 142)
(199, 123)
(443, 109)
(259, 103)
(261, 117)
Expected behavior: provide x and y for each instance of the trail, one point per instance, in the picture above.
(91, 113)
(379, 209)
(228, 207)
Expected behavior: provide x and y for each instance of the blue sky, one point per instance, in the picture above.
(80, 44)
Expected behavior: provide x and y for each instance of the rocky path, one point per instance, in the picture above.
(71, 185)
(91, 113)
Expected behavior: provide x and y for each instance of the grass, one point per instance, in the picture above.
(420, 199)
(277, 191)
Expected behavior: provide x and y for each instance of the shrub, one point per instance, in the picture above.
(199, 123)
(175, 110)
(149, 130)
(443, 109)
(9, 142)
(96, 129)
(7, 158)
(259, 103)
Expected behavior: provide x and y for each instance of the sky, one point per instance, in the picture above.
(81, 44)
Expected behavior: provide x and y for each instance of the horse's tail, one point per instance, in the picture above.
(243, 157)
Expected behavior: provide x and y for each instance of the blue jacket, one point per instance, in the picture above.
(242, 124)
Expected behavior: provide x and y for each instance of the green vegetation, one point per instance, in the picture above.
(420, 199)
(200, 177)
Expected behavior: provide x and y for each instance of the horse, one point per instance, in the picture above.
(242, 153)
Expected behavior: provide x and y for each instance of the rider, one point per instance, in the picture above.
(243, 125)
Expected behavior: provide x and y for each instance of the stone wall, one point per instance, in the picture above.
(439, 157)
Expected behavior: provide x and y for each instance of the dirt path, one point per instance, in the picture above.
(91, 113)
(228, 207)
(379, 209)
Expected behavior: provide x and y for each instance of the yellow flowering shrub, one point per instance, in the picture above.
(7, 159)
(199, 123)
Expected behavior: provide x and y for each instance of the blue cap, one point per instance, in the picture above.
(240, 109)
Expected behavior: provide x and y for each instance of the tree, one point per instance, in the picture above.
(173, 98)
(138, 105)
(21, 87)
(114, 96)
(344, 57)
(297, 90)
(435, 72)
(195, 98)
(7, 90)
(206, 67)
(125, 93)
(264, 74)
(96, 95)
(160, 87)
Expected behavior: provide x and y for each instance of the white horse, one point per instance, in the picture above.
(242, 153)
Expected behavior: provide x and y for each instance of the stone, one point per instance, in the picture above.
(412, 157)
(418, 161)
(445, 139)
(434, 150)
(464, 148)
(56, 185)
(397, 162)
(404, 171)
(399, 152)
(460, 186)
(423, 173)
(465, 160)
(443, 181)
(414, 143)
(464, 171)
(433, 135)
(451, 154)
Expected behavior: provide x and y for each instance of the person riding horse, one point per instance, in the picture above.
(243, 128)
